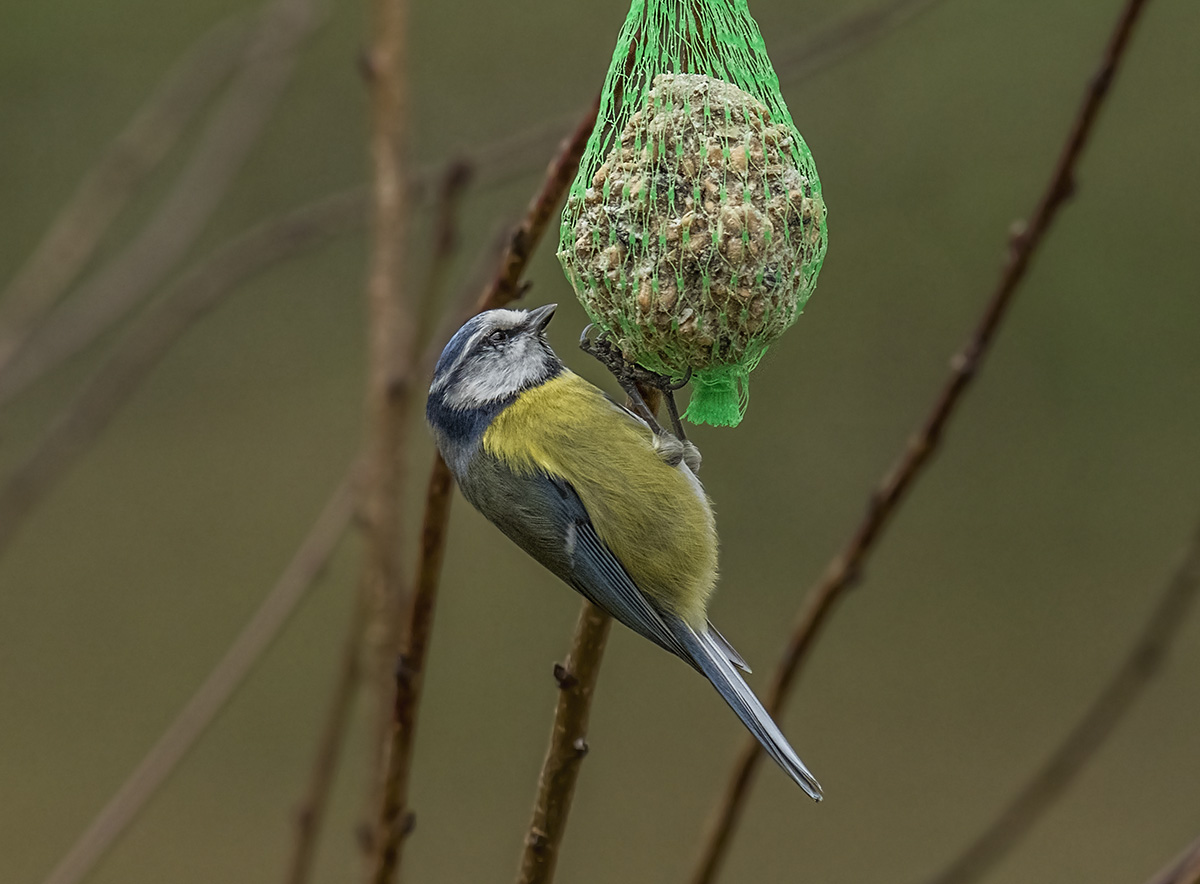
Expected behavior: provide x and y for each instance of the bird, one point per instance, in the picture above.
(604, 500)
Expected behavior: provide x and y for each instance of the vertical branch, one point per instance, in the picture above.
(391, 338)
(568, 745)
(568, 736)
(395, 819)
(310, 815)
(846, 567)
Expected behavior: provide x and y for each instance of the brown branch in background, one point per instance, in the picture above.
(508, 157)
(568, 745)
(181, 735)
(223, 147)
(845, 37)
(197, 292)
(526, 235)
(846, 567)
(391, 342)
(1127, 684)
(310, 816)
(501, 290)
(568, 736)
(82, 223)
(1183, 870)
(457, 176)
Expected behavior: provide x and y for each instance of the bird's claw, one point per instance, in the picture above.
(630, 375)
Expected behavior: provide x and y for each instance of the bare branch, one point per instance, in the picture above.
(197, 292)
(568, 745)
(311, 814)
(391, 345)
(509, 157)
(455, 179)
(82, 223)
(181, 735)
(526, 235)
(846, 567)
(845, 37)
(1183, 870)
(1127, 684)
(502, 289)
(125, 281)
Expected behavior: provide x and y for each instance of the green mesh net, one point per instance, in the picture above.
(695, 229)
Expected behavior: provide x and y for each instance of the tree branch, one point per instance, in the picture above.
(845, 37)
(502, 289)
(310, 815)
(124, 282)
(212, 696)
(196, 292)
(846, 567)
(1127, 684)
(82, 223)
(526, 235)
(1183, 870)
(568, 745)
(312, 810)
(391, 344)
(498, 162)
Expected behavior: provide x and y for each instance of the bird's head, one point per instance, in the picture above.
(488, 363)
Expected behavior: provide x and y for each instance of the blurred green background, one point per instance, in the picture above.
(1014, 580)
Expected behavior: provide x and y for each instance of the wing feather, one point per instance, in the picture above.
(546, 518)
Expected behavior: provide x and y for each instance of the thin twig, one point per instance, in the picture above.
(508, 157)
(847, 566)
(457, 176)
(197, 292)
(845, 37)
(568, 736)
(1127, 684)
(181, 735)
(1183, 870)
(502, 289)
(310, 815)
(526, 235)
(391, 343)
(568, 745)
(82, 223)
(224, 145)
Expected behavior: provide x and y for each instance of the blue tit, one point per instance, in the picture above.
(593, 493)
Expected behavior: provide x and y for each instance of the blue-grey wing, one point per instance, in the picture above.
(545, 517)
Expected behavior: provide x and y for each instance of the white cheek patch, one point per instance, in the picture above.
(499, 374)
(500, 319)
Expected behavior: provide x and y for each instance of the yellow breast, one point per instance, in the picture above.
(654, 517)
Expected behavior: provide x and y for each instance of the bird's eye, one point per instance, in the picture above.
(498, 336)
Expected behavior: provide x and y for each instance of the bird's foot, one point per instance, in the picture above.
(630, 376)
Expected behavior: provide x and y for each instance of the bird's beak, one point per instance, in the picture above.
(540, 318)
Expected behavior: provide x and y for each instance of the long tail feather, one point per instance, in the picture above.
(710, 655)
